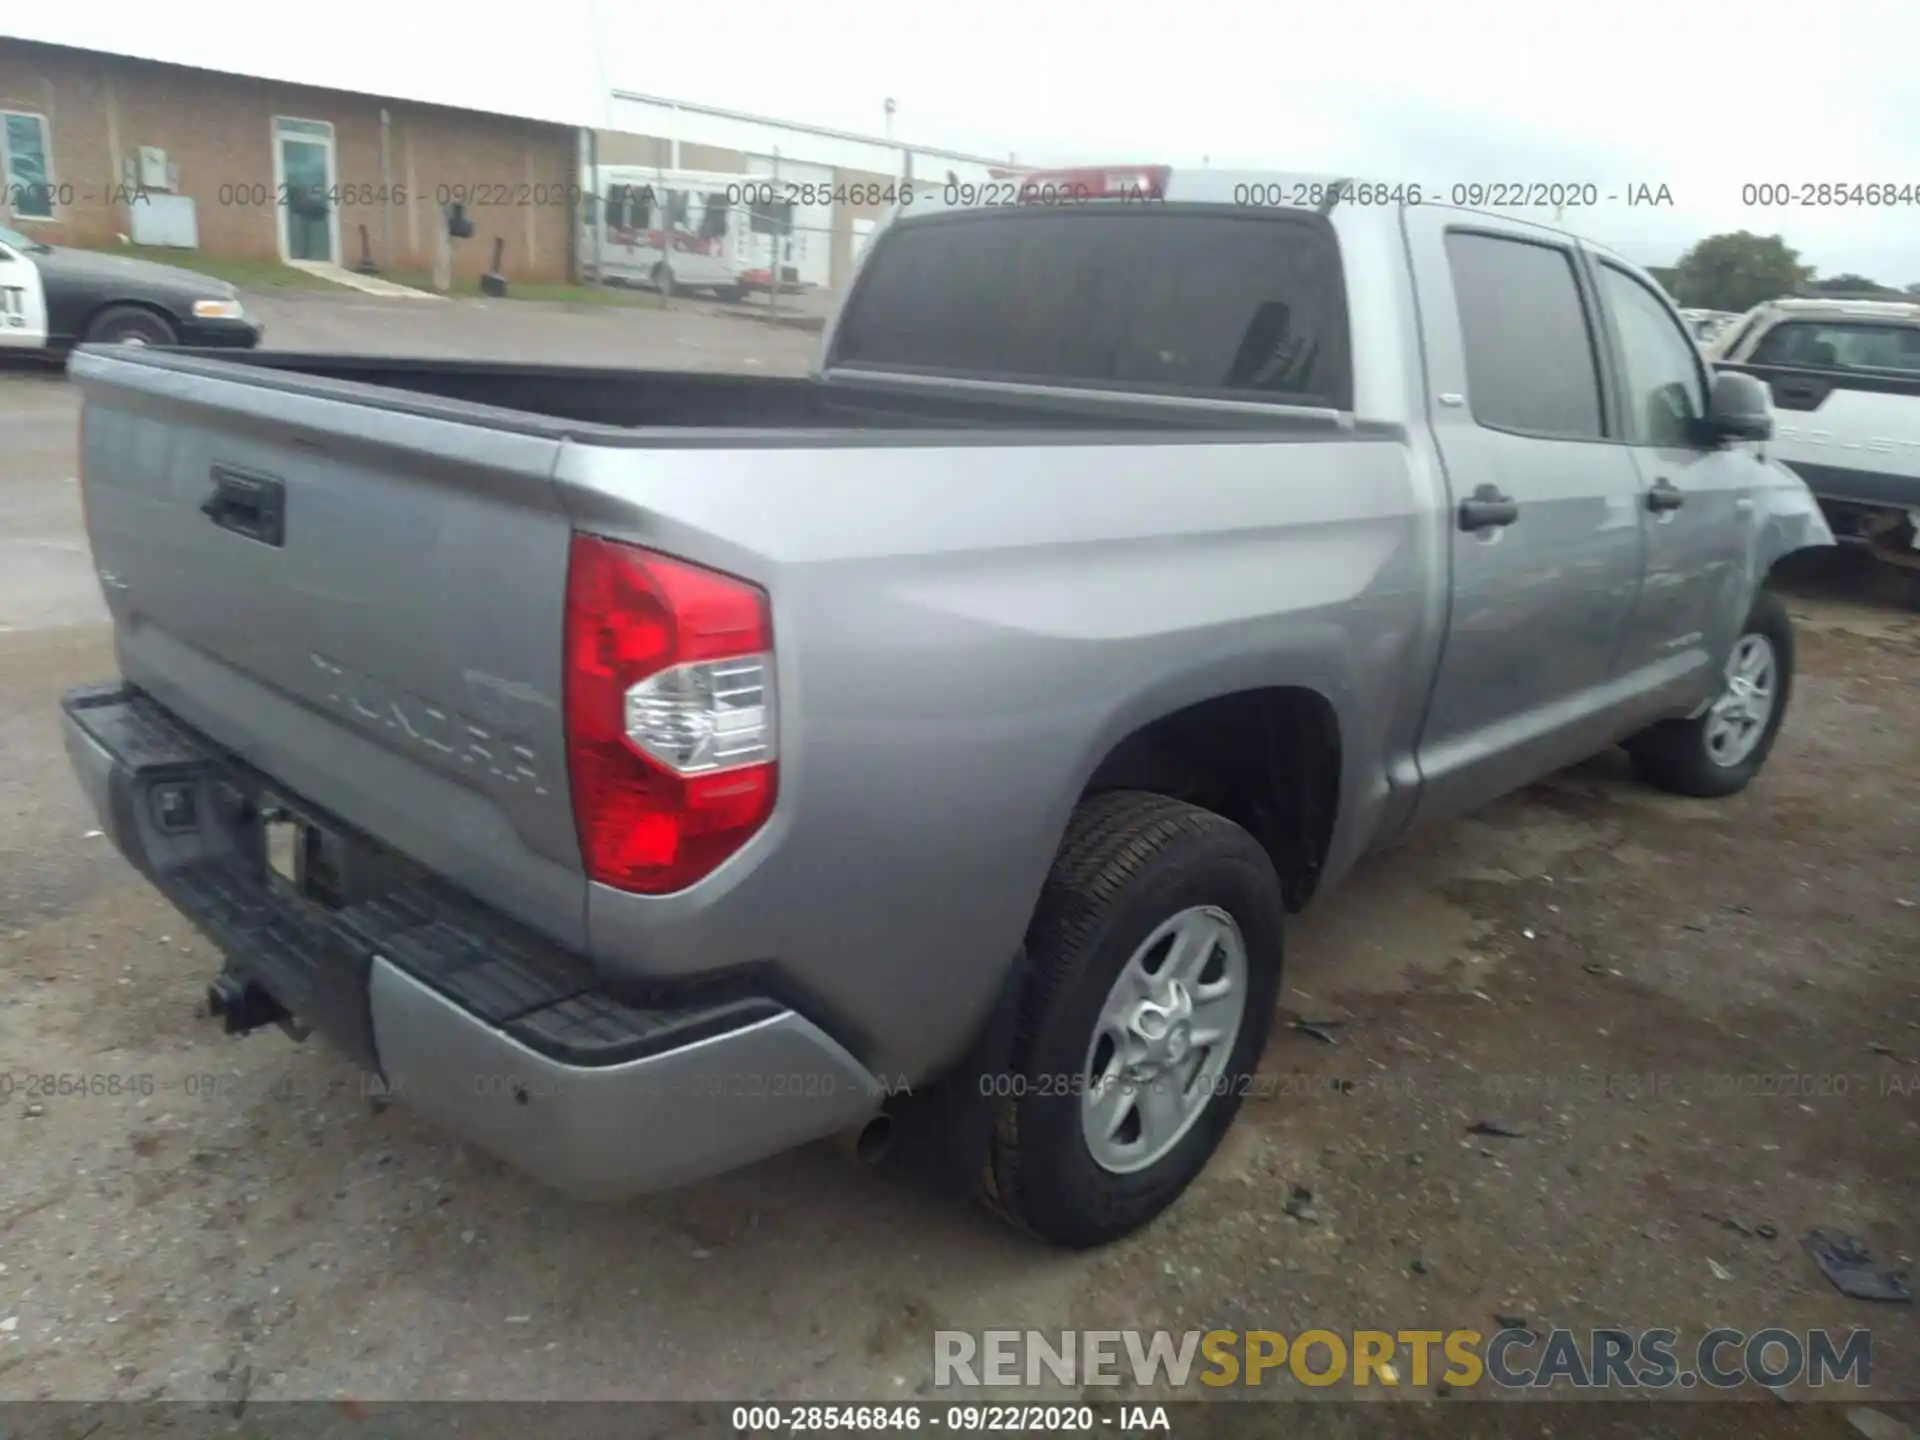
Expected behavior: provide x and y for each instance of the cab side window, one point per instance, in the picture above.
(1664, 389)
(1531, 366)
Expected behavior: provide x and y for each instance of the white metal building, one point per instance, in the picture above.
(830, 173)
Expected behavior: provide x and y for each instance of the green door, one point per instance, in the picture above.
(306, 166)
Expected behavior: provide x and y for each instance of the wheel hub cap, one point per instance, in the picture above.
(1738, 718)
(1163, 1039)
(1162, 1027)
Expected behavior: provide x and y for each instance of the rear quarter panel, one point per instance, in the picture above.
(963, 630)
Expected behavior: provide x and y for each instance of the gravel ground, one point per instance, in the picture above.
(1702, 1018)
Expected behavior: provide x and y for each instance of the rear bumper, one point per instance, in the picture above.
(470, 1019)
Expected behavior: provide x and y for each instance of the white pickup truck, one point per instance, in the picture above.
(1846, 385)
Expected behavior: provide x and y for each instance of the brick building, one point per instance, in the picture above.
(96, 146)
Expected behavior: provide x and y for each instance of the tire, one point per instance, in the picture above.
(1682, 756)
(732, 294)
(661, 278)
(129, 325)
(1131, 863)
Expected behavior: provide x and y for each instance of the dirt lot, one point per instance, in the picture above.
(1704, 1019)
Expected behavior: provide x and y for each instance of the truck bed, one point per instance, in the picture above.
(350, 575)
(568, 401)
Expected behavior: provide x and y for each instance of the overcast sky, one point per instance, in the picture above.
(1702, 96)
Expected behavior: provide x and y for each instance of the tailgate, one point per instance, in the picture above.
(363, 601)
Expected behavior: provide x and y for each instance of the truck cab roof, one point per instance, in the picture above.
(1811, 307)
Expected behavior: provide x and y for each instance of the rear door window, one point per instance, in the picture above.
(1164, 300)
(1531, 363)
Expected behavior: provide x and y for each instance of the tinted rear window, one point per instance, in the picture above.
(1170, 300)
(1531, 363)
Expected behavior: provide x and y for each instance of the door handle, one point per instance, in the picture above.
(249, 505)
(1487, 509)
(1665, 495)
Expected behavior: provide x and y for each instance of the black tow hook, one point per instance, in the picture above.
(243, 1005)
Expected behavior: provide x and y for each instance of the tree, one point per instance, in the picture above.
(1665, 276)
(1849, 284)
(1914, 288)
(1738, 271)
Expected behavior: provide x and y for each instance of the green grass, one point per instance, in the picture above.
(246, 274)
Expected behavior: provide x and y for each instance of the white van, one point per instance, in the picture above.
(666, 229)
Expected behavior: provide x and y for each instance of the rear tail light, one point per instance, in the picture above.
(1124, 182)
(672, 744)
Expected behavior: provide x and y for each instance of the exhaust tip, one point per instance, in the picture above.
(867, 1143)
(875, 1139)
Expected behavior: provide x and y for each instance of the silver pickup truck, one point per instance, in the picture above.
(645, 772)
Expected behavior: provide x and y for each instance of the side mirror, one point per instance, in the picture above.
(1739, 407)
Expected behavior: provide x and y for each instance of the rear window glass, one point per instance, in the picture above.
(1825, 345)
(1162, 300)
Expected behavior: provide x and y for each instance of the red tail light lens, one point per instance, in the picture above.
(670, 715)
(1118, 182)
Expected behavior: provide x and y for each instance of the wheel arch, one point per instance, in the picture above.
(152, 307)
(1271, 758)
(1787, 519)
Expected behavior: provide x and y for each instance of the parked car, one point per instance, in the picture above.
(1708, 324)
(53, 298)
(647, 772)
(1845, 376)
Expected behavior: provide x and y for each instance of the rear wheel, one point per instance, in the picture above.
(129, 325)
(1156, 956)
(1719, 751)
(662, 278)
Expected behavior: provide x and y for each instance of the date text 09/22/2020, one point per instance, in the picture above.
(1557, 196)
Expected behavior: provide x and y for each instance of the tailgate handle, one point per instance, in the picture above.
(251, 505)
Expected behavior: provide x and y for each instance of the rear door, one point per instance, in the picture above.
(1694, 497)
(1847, 393)
(1545, 525)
